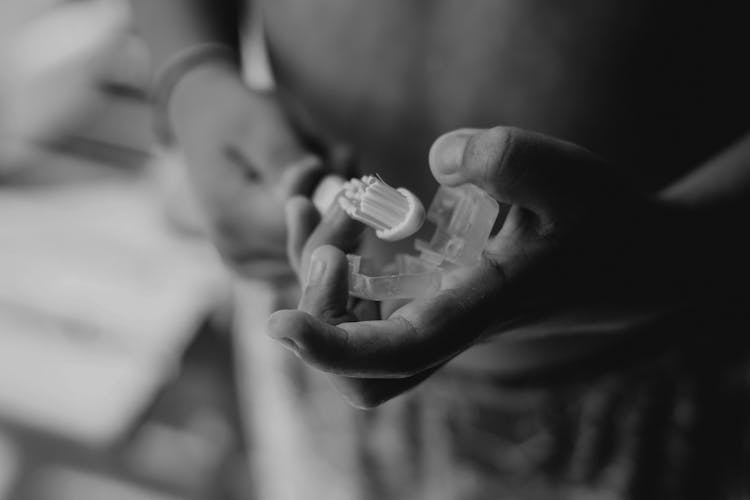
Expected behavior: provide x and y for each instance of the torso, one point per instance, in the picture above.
(654, 88)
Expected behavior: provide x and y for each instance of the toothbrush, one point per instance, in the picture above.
(394, 213)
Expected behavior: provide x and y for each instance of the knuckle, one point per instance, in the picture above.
(486, 153)
(498, 135)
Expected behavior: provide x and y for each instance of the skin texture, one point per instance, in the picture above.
(551, 249)
(654, 89)
(647, 92)
(629, 95)
(244, 189)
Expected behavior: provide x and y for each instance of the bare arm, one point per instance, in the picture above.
(243, 156)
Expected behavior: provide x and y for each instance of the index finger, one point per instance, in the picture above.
(336, 229)
(417, 337)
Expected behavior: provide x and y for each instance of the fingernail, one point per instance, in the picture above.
(290, 344)
(317, 269)
(447, 152)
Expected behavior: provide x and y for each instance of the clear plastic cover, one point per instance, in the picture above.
(463, 217)
(411, 279)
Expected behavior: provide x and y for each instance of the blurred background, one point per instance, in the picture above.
(116, 376)
(121, 345)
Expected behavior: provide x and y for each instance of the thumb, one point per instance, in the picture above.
(547, 176)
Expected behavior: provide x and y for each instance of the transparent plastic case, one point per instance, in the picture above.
(411, 278)
(463, 218)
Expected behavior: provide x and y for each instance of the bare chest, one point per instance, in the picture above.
(624, 78)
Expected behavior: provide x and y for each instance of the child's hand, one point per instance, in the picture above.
(245, 161)
(574, 234)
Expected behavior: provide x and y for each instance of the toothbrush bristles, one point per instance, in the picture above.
(375, 203)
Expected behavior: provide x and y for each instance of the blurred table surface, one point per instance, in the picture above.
(98, 299)
(102, 303)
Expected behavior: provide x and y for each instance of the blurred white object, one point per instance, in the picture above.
(97, 302)
(53, 57)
